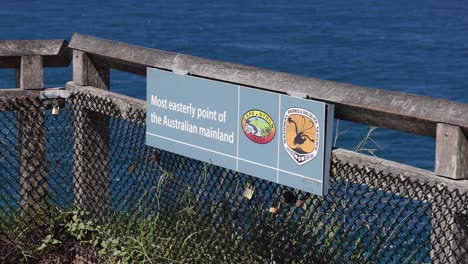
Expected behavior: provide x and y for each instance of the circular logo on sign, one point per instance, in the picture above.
(258, 126)
(300, 134)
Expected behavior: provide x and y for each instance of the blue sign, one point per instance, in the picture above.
(272, 136)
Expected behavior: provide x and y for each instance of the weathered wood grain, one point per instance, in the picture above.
(91, 141)
(80, 67)
(7, 95)
(32, 47)
(451, 152)
(118, 65)
(400, 170)
(14, 93)
(122, 102)
(55, 53)
(386, 109)
(32, 142)
(31, 73)
(86, 72)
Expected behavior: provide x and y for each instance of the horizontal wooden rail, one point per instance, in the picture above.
(16, 93)
(122, 102)
(401, 170)
(53, 52)
(386, 109)
(7, 95)
(31, 47)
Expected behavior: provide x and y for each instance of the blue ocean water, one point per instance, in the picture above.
(416, 46)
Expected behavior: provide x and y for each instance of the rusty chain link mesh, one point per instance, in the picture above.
(96, 160)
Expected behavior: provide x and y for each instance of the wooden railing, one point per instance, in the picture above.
(28, 58)
(447, 121)
(422, 115)
(93, 58)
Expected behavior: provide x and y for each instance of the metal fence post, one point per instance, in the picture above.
(91, 141)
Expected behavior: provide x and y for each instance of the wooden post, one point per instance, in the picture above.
(32, 72)
(28, 58)
(91, 141)
(32, 141)
(449, 236)
(451, 152)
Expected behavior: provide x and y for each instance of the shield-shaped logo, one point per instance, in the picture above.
(301, 134)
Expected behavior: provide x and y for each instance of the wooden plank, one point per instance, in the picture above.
(32, 47)
(386, 109)
(451, 152)
(87, 72)
(123, 103)
(32, 73)
(400, 170)
(119, 65)
(80, 67)
(55, 53)
(18, 92)
(91, 141)
(7, 96)
(32, 144)
(32, 161)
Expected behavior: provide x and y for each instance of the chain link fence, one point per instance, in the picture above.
(82, 185)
